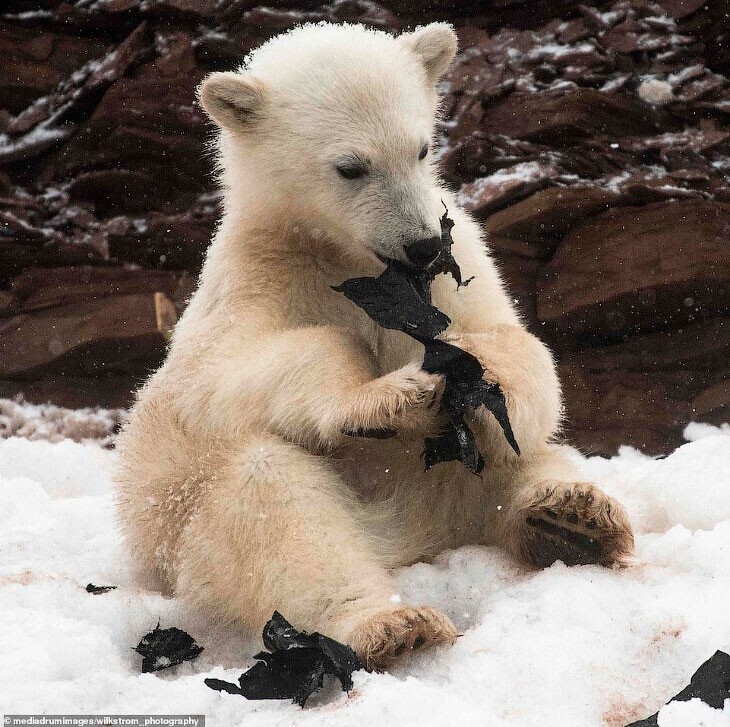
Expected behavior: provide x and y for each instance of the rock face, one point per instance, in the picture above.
(592, 139)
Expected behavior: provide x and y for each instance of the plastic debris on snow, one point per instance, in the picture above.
(96, 590)
(294, 666)
(710, 684)
(163, 648)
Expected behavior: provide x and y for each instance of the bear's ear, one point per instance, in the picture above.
(435, 44)
(232, 100)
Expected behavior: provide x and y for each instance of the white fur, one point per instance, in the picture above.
(237, 485)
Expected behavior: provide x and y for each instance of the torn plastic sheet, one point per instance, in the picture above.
(710, 683)
(163, 648)
(400, 299)
(294, 666)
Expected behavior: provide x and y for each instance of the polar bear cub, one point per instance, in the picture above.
(238, 484)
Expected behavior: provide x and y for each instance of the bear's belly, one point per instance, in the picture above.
(448, 500)
(376, 467)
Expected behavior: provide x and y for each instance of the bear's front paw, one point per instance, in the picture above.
(405, 401)
(523, 369)
(573, 522)
(384, 637)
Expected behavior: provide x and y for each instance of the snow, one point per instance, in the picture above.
(583, 646)
(525, 172)
(28, 15)
(55, 423)
(656, 92)
(39, 135)
(553, 51)
(694, 713)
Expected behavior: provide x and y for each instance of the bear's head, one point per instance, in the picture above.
(331, 126)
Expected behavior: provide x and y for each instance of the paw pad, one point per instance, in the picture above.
(577, 524)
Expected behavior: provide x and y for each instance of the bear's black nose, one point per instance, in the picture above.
(424, 253)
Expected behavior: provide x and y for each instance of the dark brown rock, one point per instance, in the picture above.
(34, 143)
(542, 219)
(709, 23)
(700, 349)
(606, 410)
(520, 275)
(574, 30)
(33, 63)
(16, 256)
(589, 193)
(148, 125)
(641, 190)
(173, 242)
(112, 334)
(633, 269)
(43, 288)
(196, 10)
(558, 116)
(522, 13)
(699, 139)
(132, 152)
(50, 121)
(712, 404)
(74, 391)
(681, 8)
(489, 194)
(478, 154)
(114, 192)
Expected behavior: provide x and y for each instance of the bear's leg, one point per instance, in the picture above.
(552, 515)
(278, 530)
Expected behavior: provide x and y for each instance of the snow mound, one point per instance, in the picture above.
(19, 418)
(582, 646)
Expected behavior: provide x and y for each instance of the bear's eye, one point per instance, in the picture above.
(423, 152)
(351, 169)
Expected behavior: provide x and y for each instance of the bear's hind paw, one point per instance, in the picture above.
(573, 522)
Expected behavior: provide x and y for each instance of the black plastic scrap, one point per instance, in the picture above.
(465, 389)
(96, 590)
(295, 667)
(400, 299)
(163, 648)
(710, 683)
